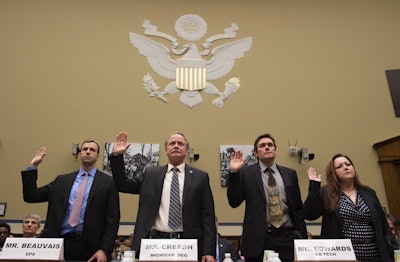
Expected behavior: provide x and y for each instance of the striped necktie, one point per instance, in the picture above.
(174, 217)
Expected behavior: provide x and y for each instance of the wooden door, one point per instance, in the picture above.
(389, 160)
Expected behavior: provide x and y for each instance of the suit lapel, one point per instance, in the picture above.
(66, 188)
(189, 176)
(70, 181)
(95, 185)
(285, 176)
(258, 179)
(287, 181)
(160, 179)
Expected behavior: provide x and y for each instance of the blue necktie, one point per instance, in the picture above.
(174, 218)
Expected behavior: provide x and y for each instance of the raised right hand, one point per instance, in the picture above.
(120, 145)
(37, 159)
(237, 161)
(312, 175)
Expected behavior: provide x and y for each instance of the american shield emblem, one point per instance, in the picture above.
(198, 63)
(191, 78)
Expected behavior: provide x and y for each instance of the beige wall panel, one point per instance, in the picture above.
(316, 72)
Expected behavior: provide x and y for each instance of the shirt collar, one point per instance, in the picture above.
(181, 167)
(263, 167)
(91, 172)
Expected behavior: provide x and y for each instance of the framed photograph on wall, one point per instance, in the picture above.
(225, 152)
(3, 208)
(136, 158)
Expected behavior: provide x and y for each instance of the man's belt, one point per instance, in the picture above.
(274, 229)
(165, 235)
(73, 235)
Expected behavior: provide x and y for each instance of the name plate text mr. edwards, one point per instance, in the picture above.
(323, 250)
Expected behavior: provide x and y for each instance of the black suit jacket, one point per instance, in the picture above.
(247, 185)
(102, 213)
(226, 246)
(332, 221)
(198, 215)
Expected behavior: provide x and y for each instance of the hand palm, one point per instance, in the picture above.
(312, 175)
(120, 146)
(236, 163)
(38, 158)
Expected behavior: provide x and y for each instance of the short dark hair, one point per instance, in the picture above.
(6, 226)
(266, 135)
(92, 141)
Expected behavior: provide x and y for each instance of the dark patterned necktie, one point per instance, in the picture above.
(275, 208)
(174, 217)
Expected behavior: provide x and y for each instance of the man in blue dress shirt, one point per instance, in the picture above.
(93, 237)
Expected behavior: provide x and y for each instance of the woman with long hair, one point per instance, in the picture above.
(349, 210)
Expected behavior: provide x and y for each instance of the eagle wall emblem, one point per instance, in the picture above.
(191, 72)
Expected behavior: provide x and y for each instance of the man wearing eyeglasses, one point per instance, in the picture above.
(274, 209)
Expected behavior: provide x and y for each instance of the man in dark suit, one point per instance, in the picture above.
(225, 246)
(93, 238)
(154, 187)
(252, 184)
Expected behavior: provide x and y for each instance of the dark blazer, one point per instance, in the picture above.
(247, 185)
(198, 215)
(226, 246)
(102, 213)
(331, 221)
